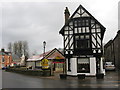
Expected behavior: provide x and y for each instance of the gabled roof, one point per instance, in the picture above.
(55, 54)
(15, 57)
(87, 15)
(34, 58)
(108, 43)
(52, 54)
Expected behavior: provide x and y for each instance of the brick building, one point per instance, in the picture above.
(5, 58)
(112, 50)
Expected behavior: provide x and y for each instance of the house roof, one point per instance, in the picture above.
(81, 7)
(55, 54)
(108, 43)
(15, 57)
(5, 53)
(52, 54)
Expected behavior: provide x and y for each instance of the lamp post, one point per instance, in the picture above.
(44, 44)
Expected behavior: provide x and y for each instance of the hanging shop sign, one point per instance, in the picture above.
(45, 64)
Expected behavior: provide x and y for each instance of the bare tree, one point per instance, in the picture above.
(19, 48)
(10, 47)
(25, 48)
(15, 48)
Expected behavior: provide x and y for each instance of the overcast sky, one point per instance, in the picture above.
(36, 22)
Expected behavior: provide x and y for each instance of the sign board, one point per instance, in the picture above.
(45, 64)
(57, 57)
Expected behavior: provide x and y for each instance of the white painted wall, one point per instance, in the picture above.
(73, 67)
(101, 67)
(93, 66)
(31, 64)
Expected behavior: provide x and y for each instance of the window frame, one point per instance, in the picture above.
(87, 65)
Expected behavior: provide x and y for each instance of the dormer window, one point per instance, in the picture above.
(80, 22)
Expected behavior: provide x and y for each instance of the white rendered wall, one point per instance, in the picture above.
(67, 64)
(101, 67)
(93, 66)
(73, 65)
(73, 71)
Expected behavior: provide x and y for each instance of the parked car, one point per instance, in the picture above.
(4, 68)
(109, 66)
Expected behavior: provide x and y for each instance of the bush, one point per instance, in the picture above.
(30, 72)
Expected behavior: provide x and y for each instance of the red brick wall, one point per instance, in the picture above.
(7, 60)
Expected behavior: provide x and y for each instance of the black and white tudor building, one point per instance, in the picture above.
(83, 36)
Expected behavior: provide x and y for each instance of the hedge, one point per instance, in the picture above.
(29, 72)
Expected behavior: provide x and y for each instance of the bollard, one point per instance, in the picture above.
(81, 76)
(63, 76)
(100, 76)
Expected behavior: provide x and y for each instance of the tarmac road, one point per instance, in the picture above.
(15, 80)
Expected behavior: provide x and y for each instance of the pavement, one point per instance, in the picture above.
(110, 75)
(111, 80)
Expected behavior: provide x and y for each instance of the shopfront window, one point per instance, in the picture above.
(83, 65)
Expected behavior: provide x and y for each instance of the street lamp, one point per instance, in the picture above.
(44, 44)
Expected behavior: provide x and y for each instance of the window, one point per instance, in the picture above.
(83, 65)
(3, 59)
(82, 44)
(81, 23)
(76, 31)
(82, 41)
(81, 36)
(8, 61)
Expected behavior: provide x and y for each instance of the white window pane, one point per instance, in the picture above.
(83, 60)
(76, 30)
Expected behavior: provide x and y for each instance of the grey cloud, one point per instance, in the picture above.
(38, 22)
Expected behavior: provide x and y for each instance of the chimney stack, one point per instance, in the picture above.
(67, 14)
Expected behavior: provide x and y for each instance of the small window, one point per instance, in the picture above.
(82, 37)
(87, 22)
(76, 31)
(93, 30)
(82, 44)
(83, 29)
(75, 23)
(87, 36)
(87, 29)
(77, 37)
(81, 23)
(66, 32)
(79, 30)
(71, 32)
